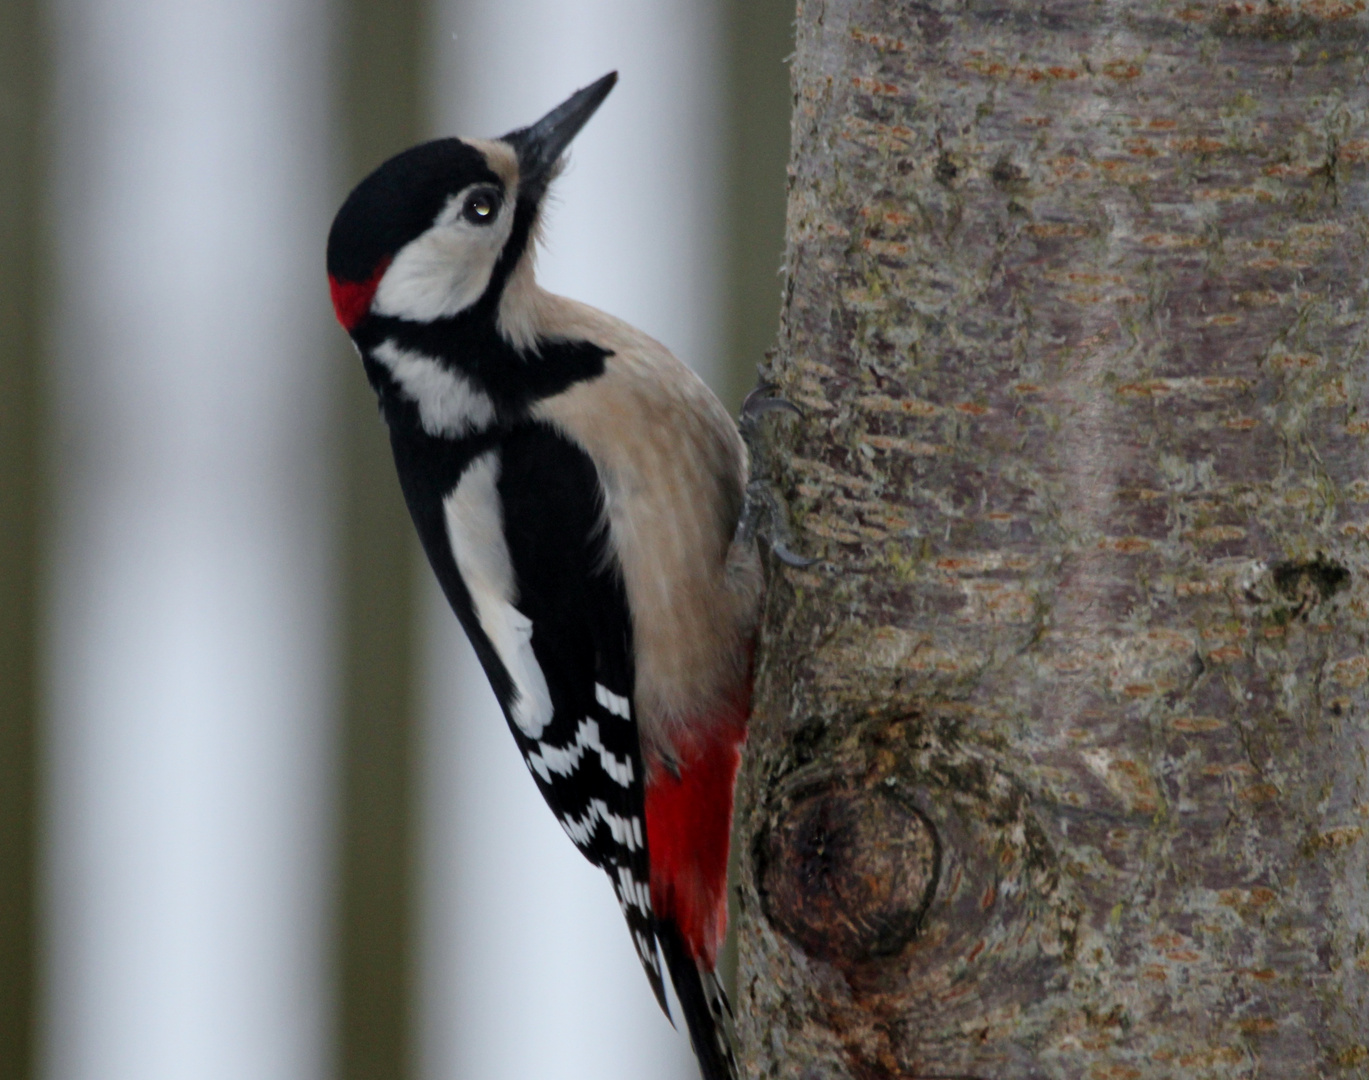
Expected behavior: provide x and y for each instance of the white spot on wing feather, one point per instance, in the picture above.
(564, 760)
(626, 832)
(645, 949)
(633, 891)
(614, 703)
(475, 530)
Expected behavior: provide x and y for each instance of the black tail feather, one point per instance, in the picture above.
(706, 1010)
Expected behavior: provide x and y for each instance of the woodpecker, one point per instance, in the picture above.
(577, 490)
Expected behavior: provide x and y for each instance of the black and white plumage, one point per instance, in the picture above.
(514, 518)
(576, 490)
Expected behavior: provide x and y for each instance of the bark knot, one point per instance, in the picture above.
(847, 873)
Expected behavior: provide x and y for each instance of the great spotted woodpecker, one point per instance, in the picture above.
(577, 490)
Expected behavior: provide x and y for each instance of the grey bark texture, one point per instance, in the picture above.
(1058, 765)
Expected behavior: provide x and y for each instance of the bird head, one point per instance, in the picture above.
(438, 229)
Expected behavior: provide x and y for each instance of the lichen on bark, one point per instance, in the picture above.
(1077, 311)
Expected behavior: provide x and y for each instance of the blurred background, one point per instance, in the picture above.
(259, 815)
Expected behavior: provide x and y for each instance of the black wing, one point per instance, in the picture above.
(587, 759)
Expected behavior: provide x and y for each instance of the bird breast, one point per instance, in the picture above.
(672, 467)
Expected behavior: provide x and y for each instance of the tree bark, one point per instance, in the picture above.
(1058, 765)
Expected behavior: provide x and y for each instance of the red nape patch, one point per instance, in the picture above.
(688, 829)
(352, 299)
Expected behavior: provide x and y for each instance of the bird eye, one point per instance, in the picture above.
(481, 207)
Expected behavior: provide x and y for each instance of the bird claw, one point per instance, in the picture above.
(762, 514)
(759, 402)
(790, 558)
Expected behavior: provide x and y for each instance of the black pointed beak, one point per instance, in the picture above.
(540, 146)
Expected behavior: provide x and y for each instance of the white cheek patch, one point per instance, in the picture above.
(446, 269)
(448, 404)
(475, 530)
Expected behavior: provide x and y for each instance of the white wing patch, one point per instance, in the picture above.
(614, 703)
(475, 529)
(447, 402)
(564, 760)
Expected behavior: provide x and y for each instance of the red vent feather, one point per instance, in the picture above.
(689, 826)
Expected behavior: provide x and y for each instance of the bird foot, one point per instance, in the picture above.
(763, 515)
(759, 402)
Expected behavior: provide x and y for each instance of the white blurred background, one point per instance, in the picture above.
(267, 821)
(187, 794)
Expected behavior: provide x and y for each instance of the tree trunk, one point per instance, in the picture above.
(1058, 766)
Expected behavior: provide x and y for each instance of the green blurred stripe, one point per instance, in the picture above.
(22, 74)
(381, 109)
(760, 37)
